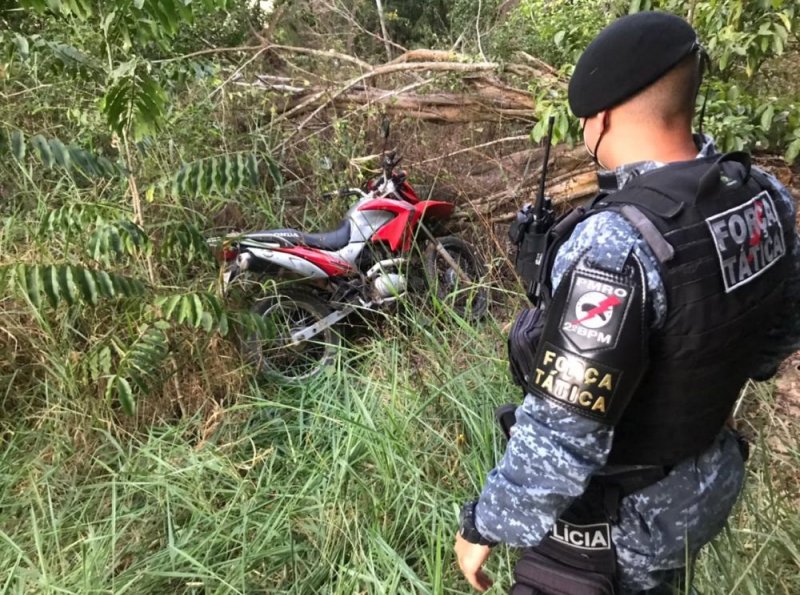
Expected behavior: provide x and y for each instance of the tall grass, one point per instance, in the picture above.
(350, 484)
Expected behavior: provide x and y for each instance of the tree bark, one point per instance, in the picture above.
(488, 100)
(383, 30)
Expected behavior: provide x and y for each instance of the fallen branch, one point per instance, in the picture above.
(382, 70)
(567, 187)
(494, 89)
(438, 107)
(327, 54)
(388, 94)
(206, 52)
(539, 64)
(429, 56)
(489, 100)
(507, 139)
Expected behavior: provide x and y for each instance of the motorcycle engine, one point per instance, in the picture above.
(389, 285)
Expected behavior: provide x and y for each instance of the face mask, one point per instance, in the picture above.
(593, 153)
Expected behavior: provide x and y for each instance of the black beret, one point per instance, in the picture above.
(627, 56)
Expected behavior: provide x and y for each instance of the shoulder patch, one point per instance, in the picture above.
(581, 384)
(594, 312)
(594, 347)
(749, 240)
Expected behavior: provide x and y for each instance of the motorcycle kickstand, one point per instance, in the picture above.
(312, 331)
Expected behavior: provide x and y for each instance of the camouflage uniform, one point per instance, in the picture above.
(552, 455)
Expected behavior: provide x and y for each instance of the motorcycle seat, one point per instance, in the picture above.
(329, 240)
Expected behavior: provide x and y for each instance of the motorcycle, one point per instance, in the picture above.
(370, 261)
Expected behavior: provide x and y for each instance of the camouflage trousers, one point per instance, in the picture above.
(667, 523)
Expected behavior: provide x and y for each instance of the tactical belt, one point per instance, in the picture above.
(577, 556)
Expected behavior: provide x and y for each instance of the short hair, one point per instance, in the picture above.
(670, 101)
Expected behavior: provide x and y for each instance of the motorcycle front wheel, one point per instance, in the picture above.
(270, 347)
(468, 297)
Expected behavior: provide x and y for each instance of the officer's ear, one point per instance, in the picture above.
(594, 127)
(604, 120)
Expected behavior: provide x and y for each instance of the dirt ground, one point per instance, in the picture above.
(786, 414)
(788, 383)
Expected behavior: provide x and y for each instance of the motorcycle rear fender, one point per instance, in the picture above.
(434, 209)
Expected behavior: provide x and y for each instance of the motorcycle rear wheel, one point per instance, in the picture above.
(284, 314)
(468, 300)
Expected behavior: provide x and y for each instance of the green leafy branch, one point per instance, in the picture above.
(133, 100)
(106, 236)
(200, 310)
(183, 240)
(53, 152)
(60, 56)
(139, 366)
(70, 284)
(222, 174)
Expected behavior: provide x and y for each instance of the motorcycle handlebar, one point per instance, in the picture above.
(343, 193)
(391, 160)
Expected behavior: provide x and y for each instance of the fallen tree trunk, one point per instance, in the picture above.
(488, 180)
(488, 99)
(495, 187)
(439, 107)
(486, 96)
(502, 206)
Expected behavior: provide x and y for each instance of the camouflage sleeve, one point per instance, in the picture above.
(547, 463)
(552, 452)
(785, 339)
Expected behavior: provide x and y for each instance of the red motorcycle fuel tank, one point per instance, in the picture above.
(399, 232)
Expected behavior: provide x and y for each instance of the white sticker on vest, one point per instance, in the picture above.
(748, 238)
(585, 537)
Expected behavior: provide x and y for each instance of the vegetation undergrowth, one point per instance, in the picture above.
(349, 484)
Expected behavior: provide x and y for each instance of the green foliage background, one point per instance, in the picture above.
(748, 106)
(137, 452)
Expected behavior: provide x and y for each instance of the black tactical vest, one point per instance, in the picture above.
(723, 237)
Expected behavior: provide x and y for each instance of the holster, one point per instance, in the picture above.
(537, 574)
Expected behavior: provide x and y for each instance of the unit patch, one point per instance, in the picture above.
(575, 381)
(585, 537)
(749, 240)
(594, 312)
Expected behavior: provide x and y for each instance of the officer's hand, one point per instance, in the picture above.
(471, 557)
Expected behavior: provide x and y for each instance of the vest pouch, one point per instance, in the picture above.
(537, 574)
(523, 340)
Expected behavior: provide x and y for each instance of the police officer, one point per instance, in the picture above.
(679, 282)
